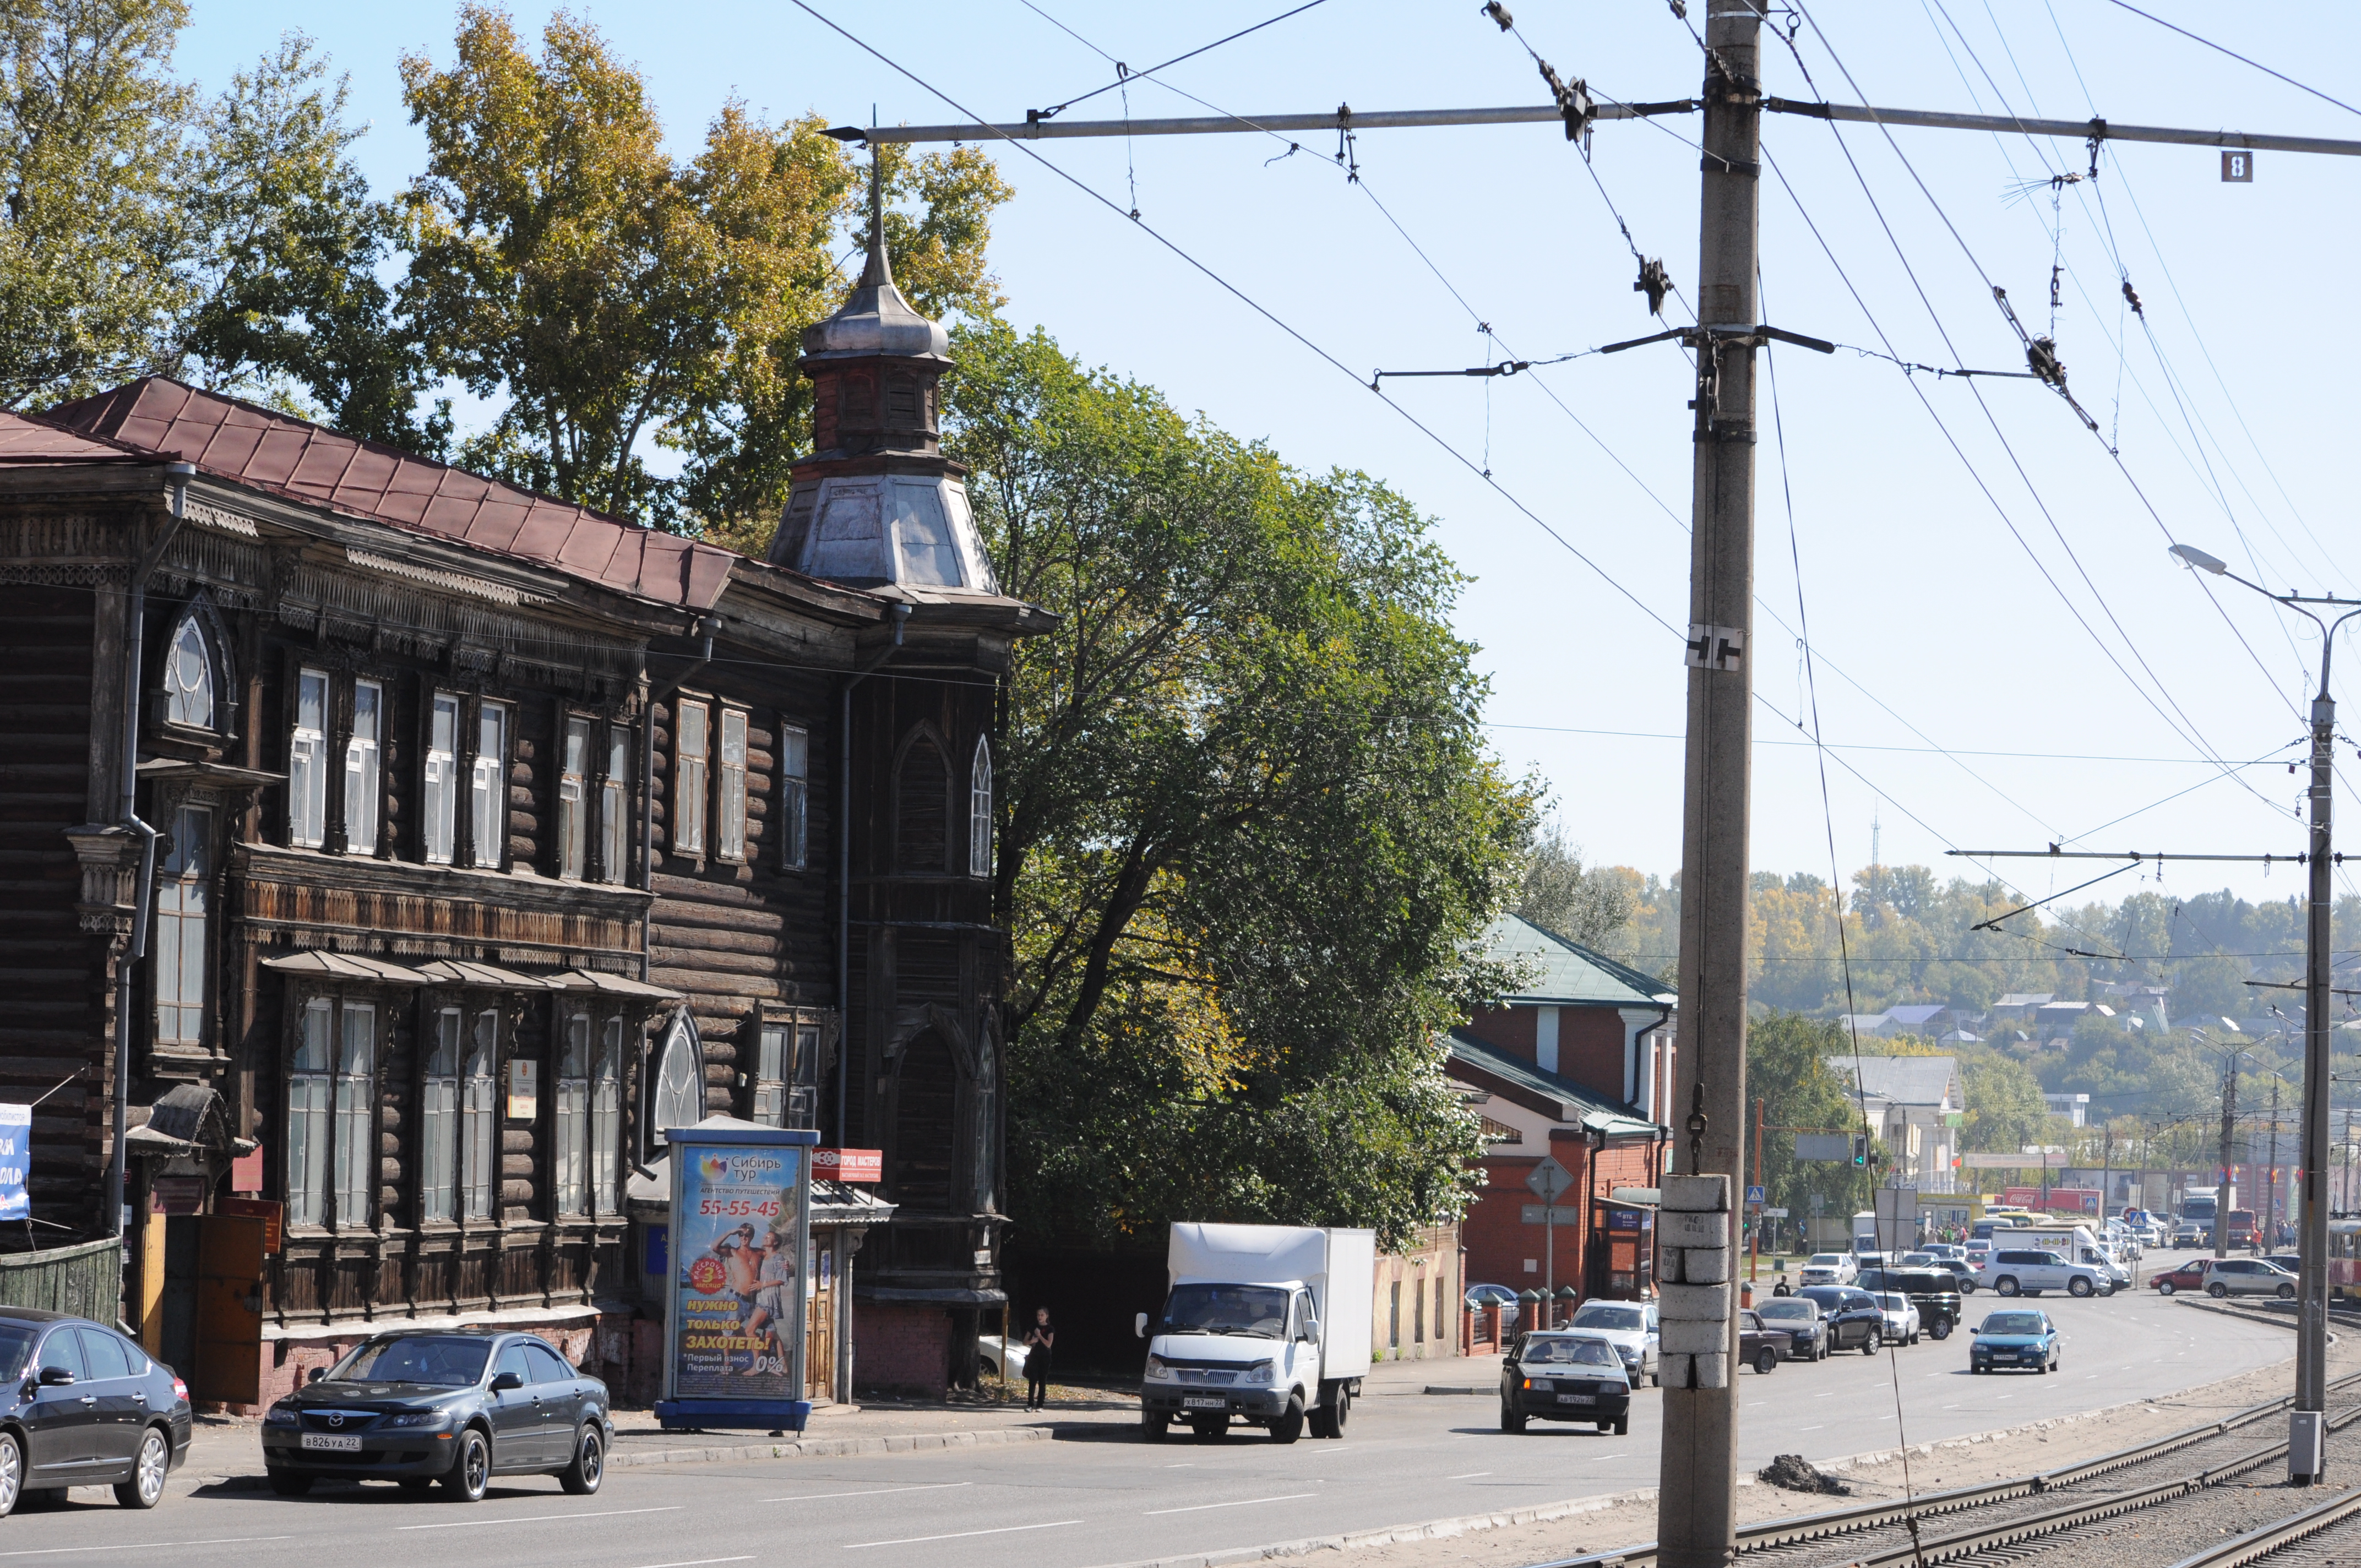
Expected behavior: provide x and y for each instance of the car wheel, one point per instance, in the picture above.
(286, 1484)
(2164, 1286)
(2078, 1287)
(2005, 1285)
(1154, 1426)
(1942, 1328)
(1606, 1427)
(1511, 1421)
(1657, 1377)
(12, 1475)
(1342, 1416)
(1289, 1426)
(2218, 1291)
(590, 1466)
(1874, 1342)
(145, 1489)
(2287, 1292)
(1967, 1286)
(1623, 1426)
(1766, 1361)
(471, 1469)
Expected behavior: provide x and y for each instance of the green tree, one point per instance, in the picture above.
(1786, 1068)
(2006, 1110)
(617, 302)
(1249, 824)
(1556, 893)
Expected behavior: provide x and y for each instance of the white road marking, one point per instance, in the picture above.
(702, 1561)
(143, 1545)
(874, 1492)
(544, 1519)
(1240, 1503)
(1469, 1477)
(958, 1534)
(1810, 1428)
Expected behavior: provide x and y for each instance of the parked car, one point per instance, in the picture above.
(82, 1406)
(2031, 1270)
(1829, 1268)
(1929, 1290)
(1854, 1318)
(1760, 1345)
(1976, 1251)
(1563, 1375)
(455, 1406)
(1961, 1272)
(1799, 1318)
(1499, 1295)
(991, 1350)
(2189, 1276)
(1900, 1318)
(1631, 1328)
(2248, 1276)
(2291, 1261)
(1941, 1249)
(2019, 1340)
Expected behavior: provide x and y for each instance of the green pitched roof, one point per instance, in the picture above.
(1566, 973)
(1576, 1103)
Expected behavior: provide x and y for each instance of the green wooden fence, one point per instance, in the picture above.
(85, 1280)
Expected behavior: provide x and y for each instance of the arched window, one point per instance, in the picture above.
(189, 677)
(984, 1147)
(922, 809)
(680, 1077)
(925, 1095)
(979, 811)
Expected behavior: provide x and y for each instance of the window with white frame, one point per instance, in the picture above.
(356, 1154)
(183, 898)
(680, 1077)
(479, 1116)
(607, 1120)
(438, 1153)
(189, 677)
(573, 1119)
(769, 1075)
(307, 762)
(363, 787)
(615, 807)
(979, 811)
(442, 778)
(574, 800)
(488, 786)
(308, 1093)
(692, 746)
(731, 835)
(795, 797)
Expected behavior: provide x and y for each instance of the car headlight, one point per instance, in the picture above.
(1159, 1367)
(420, 1419)
(280, 1416)
(1259, 1372)
(1628, 1351)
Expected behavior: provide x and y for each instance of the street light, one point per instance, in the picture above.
(2308, 1420)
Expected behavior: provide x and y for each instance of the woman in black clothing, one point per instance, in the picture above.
(1038, 1341)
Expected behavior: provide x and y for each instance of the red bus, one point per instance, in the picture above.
(2242, 1228)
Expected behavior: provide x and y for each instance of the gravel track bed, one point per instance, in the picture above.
(2153, 1537)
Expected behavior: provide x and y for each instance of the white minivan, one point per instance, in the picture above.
(2009, 1271)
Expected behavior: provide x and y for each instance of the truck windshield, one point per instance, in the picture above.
(1258, 1310)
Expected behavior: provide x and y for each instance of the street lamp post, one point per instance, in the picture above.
(2307, 1419)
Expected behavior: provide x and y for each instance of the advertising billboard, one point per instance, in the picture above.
(738, 1273)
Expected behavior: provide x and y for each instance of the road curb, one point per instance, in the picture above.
(718, 1453)
(1432, 1529)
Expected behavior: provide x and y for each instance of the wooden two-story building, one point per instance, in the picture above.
(407, 851)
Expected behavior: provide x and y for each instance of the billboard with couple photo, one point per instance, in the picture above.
(740, 1224)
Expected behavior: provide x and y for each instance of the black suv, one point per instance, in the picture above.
(455, 1406)
(1931, 1292)
(1854, 1318)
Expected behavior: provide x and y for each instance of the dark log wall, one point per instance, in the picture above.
(54, 974)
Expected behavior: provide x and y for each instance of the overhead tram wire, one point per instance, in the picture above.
(2234, 54)
(2162, 696)
(1863, 746)
(1125, 75)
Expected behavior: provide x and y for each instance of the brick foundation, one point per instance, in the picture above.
(902, 1346)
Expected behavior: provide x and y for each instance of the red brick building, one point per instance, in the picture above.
(1577, 1065)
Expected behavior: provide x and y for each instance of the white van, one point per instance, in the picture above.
(2012, 1270)
(2075, 1244)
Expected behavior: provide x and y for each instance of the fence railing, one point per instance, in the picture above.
(85, 1280)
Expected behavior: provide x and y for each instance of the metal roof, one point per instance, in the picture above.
(1906, 1080)
(344, 966)
(1576, 1103)
(1565, 972)
(609, 984)
(465, 971)
(27, 439)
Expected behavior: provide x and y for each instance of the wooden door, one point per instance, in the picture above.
(229, 1310)
(820, 1327)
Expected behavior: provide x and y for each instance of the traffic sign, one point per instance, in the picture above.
(1775, 1214)
(1755, 1195)
(1548, 1179)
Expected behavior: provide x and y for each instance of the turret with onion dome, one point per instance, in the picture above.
(877, 503)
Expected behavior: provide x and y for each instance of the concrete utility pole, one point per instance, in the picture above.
(2222, 1196)
(1697, 1524)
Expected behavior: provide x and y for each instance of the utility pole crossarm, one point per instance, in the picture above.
(2080, 130)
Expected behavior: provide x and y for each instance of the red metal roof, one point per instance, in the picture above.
(274, 451)
(25, 439)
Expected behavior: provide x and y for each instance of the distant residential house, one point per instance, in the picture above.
(2017, 1001)
(1576, 1065)
(1865, 1025)
(2075, 1107)
(1917, 1018)
(1915, 1106)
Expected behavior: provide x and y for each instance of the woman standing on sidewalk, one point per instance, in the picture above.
(1039, 1340)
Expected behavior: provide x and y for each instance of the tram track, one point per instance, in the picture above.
(2015, 1511)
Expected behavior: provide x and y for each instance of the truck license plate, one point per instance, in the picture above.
(1191, 1403)
(335, 1442)
(1578, 1399)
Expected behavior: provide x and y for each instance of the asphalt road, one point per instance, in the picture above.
(1104, 1496)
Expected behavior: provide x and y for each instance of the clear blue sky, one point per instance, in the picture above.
(2025, 632)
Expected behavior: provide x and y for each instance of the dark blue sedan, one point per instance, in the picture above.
(2013, 1341)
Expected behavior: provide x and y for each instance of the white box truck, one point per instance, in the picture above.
(1266, 1325)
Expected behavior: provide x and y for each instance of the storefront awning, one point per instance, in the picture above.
(464, 971)
(325, 965)
(610, 985)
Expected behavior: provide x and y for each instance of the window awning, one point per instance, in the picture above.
(611, 985)
(344, 966)
(464, 971)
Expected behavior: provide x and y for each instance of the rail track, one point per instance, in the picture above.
(1920, 1531)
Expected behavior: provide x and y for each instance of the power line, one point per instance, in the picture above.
(2234, 54)
(1913, 751)
(1125, 75)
